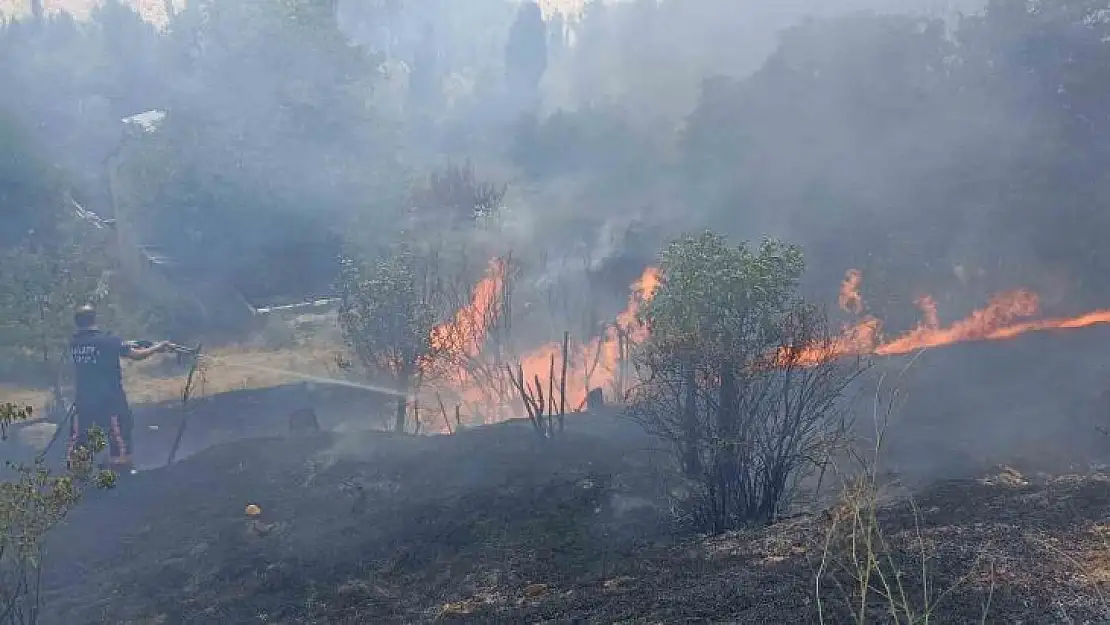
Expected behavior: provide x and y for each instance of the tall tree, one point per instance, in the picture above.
(388, 311)
(526, 54)
(425, 81)
(50, 259)
(269, 149)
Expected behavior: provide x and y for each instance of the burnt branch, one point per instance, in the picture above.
(543, 410)
(749, 421)
(455, 196)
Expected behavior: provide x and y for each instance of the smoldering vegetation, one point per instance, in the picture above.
(622, 228)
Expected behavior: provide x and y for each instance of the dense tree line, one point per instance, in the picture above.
(907, 146)
(921, 150)
(958, 155)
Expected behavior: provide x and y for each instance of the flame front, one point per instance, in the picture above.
(602, 361)
(999, 319)
(599, 363)
(465, 334)
(850, 300)
(473, 370)
(455, 361)
(1002, 310)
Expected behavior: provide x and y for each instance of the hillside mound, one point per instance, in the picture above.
(495, 525)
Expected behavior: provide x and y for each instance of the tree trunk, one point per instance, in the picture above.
(727, 417)
(726, 469)
(399, 421)
(691, 462)
(405, 383)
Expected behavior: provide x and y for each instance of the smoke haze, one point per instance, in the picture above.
(948, 149)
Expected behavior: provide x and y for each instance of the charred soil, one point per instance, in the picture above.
(495, 525)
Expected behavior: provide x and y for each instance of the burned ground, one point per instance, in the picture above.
(400, 521)
(494, 525)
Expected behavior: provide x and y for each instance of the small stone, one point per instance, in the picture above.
(617, 583)
(259, 528)
(458, 608)
(535, 590)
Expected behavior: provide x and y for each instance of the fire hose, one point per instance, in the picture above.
(178, 349)
(182, 352)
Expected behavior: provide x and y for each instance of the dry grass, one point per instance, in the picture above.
(23, 397)
(974, 545)
(875, 574)
(226, 369)
(230, 369)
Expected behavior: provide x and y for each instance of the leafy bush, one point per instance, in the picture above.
(741, 378)
(33, 500)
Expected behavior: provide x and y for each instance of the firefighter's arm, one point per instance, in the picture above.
(142, 353)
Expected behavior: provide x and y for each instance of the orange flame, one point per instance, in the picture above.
(850, 300)
(597, 363)
(928, 308)
(998, 320)
(1002, 310)
(1095, 317)
(600, 363)
(465, 334)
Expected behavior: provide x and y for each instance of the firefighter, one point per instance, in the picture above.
(101, 400)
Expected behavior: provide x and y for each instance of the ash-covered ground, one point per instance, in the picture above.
(1004, 513)
(495, 525)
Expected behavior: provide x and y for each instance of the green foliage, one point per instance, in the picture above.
(902, 146)
(724, 299)
(50, 260)
(388, 311)
(387, 314)
(391, 306)
(730, 379)
(587, 140)
(33, 500)
(41, 289)
(455, 198)
(233, 184)
(11, 414)
(898, 145)
(28, 188)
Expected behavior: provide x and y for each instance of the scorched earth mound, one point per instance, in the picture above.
(495, 525)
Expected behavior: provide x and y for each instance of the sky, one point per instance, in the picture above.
(153, 10)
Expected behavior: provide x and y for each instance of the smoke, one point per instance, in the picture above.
(903, 138)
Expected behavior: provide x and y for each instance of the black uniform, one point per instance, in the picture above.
(101, 400)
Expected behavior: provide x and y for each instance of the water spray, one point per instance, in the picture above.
(307, 377)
